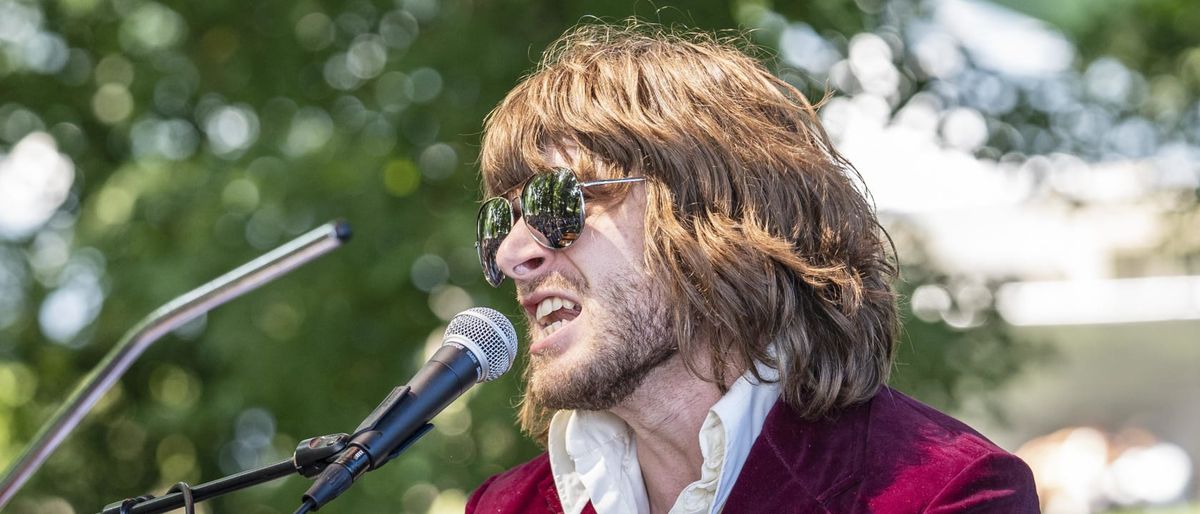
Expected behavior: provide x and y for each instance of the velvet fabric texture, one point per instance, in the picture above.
(890, 455)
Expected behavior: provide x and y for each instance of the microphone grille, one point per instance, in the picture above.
(489, 335)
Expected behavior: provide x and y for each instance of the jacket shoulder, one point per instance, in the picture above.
(900, 424)
(920, 457)
(888, 455)
(528, 488)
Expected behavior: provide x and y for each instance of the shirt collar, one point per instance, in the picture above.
(593, 455)
(741, 413)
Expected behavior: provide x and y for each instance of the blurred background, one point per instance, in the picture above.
(1036, 162)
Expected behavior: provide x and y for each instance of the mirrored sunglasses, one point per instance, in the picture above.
(552, 204)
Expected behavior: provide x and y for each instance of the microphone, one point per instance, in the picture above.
(480, 345)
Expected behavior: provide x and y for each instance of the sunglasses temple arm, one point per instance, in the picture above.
(611, 181)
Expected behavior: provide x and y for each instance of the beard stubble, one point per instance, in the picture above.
(630, 340)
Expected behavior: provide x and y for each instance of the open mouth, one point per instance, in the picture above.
(553, 313)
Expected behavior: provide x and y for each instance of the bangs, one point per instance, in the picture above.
(522, 135)
(587, 114)
(514, 144)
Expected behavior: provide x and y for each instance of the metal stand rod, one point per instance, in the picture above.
(312, 455)
(170, 502)
(157, 324)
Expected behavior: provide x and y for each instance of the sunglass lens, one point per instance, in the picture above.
(494, 223)
(552, 204)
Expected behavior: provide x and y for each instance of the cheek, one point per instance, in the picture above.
(614, 249)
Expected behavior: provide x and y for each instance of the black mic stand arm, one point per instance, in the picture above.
(311, 457)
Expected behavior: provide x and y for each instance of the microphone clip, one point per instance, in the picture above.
(314, 453)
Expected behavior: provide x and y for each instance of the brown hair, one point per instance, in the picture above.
(756, 226)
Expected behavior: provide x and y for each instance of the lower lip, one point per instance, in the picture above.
(552, 340)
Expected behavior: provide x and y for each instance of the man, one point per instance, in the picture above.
(711, 319)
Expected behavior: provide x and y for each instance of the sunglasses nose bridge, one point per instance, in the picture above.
(550, 205)
(520, 254)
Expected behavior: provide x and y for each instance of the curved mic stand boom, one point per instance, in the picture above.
(162, 321)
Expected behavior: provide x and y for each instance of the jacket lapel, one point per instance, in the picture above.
(796, 465)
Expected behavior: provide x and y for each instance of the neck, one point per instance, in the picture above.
(666, 414)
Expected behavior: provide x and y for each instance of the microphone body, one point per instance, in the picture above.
(480, 344)
(407, 410)
(447, 375)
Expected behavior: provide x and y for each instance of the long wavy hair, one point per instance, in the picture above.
(757, 228)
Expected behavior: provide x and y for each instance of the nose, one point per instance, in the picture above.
(520, 256)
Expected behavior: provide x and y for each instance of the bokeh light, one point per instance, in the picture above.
(34, 181)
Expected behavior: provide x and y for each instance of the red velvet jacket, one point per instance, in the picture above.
(890, 455)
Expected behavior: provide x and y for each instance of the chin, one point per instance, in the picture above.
(559, 362)
(556, 367)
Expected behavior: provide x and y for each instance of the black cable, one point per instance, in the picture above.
(189, 505)
(304, 507)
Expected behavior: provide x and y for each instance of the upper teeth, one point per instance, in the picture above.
(551, 304)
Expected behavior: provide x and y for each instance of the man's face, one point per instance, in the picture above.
(597, 323)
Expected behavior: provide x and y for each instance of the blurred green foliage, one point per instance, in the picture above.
(203, 134)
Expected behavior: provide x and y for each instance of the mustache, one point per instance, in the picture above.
(554, 280)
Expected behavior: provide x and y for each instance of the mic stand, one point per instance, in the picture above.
(162, 321)
(311, 457)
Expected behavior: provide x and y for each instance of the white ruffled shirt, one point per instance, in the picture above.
(593, 455)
